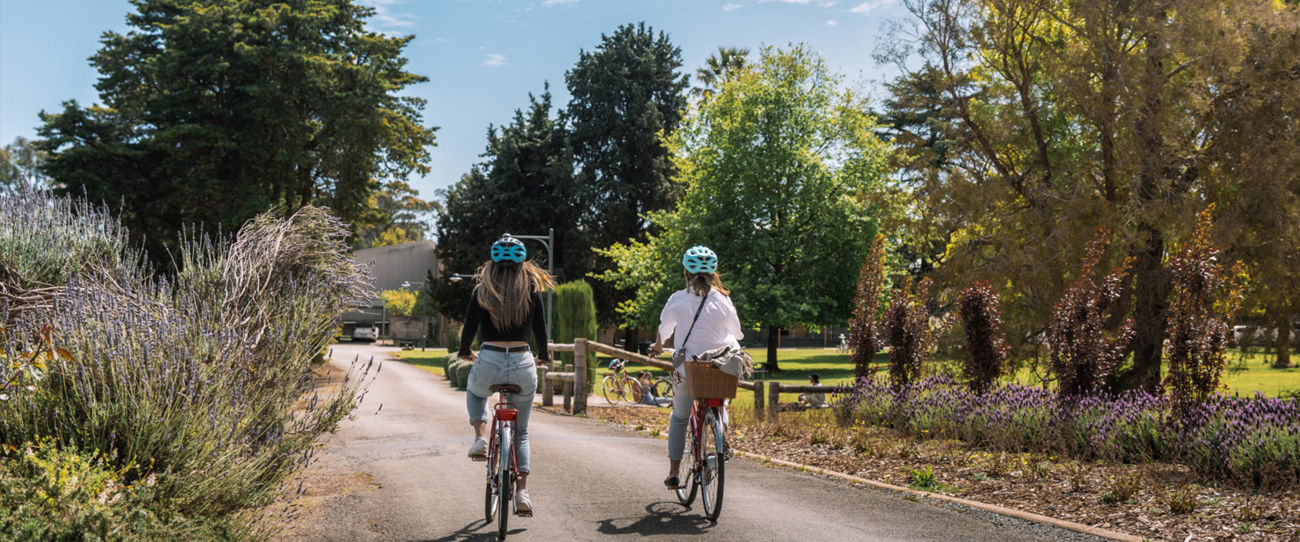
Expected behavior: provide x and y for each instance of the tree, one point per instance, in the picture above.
(395, 215)
(525, 185)
(573, 316)
(215, 110)
(866, 333)
(21, 162)
(719, 68)
(624, 94)
(774, 167)
(1072, 115)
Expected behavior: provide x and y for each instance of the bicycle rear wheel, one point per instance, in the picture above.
(504, 480)
(664, 388)
(713, 469)
(490, 501)
(630, 390)
(686, 495)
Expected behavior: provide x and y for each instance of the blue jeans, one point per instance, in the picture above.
(493, 368)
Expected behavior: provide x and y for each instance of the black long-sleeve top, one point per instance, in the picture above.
(476, 316)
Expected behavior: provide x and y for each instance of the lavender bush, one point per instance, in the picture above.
(201, 380)
(1248, 441)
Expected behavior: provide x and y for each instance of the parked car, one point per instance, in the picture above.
(365, 333)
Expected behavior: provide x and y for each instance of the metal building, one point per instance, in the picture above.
(394, 267)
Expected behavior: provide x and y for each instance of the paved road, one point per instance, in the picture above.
(400, 473)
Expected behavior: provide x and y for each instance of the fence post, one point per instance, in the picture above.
(773, 400)
(568, 396)
(758, 400)
(579, 375)
(544, 374)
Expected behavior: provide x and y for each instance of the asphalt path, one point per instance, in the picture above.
(399, 472)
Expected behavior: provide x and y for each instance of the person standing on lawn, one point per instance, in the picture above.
(703, 318)
(505, 304)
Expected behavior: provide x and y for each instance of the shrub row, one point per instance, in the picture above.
(1248, 441)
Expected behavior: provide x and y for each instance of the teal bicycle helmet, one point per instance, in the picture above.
(508, 249)
(700, 259)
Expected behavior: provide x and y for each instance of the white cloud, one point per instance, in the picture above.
(731, 7)
(385, 20)
(870, 5)
(494, 60)
(831, 22)
(553, 2)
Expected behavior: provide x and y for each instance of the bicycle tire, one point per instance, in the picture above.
(609, 389)
(490, 501)
(664, 389)
(686, 495)
(713, 467)
(630, 391)
(504, 481)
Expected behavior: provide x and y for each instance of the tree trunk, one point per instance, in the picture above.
(1151, 293)
(1283, 344)
(773, 338)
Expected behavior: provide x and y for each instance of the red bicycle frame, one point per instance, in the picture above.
(505, 411)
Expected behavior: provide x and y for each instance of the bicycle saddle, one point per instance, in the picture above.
(508, 388)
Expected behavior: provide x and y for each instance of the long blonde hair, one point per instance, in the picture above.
(701, 283)
(505, 290)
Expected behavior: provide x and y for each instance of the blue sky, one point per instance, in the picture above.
(482, 57)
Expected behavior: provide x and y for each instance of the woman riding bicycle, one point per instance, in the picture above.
(704, 304)
(504, 303)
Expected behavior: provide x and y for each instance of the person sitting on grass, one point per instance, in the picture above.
(813, 400)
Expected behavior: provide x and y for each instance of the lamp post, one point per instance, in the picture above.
(548, 241)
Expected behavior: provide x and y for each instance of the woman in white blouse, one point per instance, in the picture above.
(700, 317)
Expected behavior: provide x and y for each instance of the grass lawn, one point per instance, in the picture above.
(1245, 375)
(429, 360)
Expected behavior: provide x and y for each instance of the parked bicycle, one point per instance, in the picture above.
(503, 465)
(706, 456)
(660, 387)
(619, 386)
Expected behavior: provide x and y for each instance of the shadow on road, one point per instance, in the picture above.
(467, 534)
(661, 518)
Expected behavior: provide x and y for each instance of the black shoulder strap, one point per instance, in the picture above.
(697, 317)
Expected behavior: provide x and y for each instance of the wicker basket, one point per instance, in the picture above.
(703, 381)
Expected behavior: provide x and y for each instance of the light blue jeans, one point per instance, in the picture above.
(493, 368)
(682, 402)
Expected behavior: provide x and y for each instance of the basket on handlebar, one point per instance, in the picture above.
(704, 381)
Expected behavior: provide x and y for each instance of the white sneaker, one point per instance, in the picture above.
(478, 450)
(523, 506)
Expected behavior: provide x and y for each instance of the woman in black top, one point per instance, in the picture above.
(506, 302)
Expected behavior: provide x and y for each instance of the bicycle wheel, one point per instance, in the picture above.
(664, 389)
(504, 479)
(686, 495)
(714, 464)
(609, 389)
(492, 495)
(630, 390)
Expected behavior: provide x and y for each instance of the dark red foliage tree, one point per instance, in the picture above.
(907, 326)
(986, 342)
(1206, 297)
(1083, 354)
(865, 334)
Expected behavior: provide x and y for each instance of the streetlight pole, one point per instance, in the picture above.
(547, 241)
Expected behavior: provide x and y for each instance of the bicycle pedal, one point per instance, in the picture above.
(523, 514)
(479, 459)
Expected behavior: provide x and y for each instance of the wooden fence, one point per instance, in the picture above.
(573, 384)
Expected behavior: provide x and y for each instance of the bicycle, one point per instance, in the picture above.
(707, 456)
(659, 387)
(503, 465)
(619, 386)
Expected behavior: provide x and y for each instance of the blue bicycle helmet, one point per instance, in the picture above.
(700, 260)
(508, 249)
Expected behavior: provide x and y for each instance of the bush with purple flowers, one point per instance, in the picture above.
(1248, 441)
(203, 378)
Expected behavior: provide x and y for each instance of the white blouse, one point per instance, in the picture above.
(718, 325)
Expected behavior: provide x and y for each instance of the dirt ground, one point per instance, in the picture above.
(1167, 501)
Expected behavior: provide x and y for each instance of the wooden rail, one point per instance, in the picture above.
(775, 389)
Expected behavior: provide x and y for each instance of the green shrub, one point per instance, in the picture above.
(48, 493)
(446, 365)
(575, 316)
(451, 337)
(462, 375)
(201, 375)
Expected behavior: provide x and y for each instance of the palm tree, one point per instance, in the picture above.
(718, 69)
